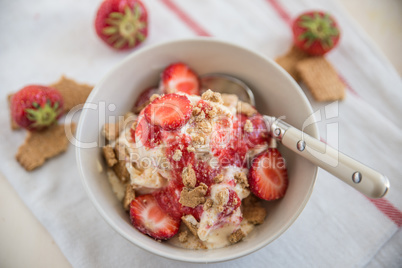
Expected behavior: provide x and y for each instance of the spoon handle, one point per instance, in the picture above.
(361, 177)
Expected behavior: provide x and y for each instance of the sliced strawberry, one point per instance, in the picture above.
(168, 200)
(178, 77)
(179, 142)
(171, 111)
(150, 219)
(149, 135)
(143, 98)
(268, 176)
(205, 173)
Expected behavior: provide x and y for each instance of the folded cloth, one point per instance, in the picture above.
(339, 226)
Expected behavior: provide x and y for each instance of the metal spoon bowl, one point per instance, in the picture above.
(361, 177)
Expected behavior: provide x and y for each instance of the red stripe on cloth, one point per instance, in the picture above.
(348, 86)
(389, 210)
(281, 11)
(185, 18)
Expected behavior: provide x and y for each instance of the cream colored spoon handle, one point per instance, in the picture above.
(361, 177)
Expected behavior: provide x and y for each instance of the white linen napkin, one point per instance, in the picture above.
(338, 228)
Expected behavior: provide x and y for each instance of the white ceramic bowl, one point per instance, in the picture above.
(276, 94)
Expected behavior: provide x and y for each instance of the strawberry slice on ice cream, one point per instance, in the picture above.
(268, 178)
(150, 219)
(170, 112)
(178, 77)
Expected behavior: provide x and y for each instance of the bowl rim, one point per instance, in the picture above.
(105, 216)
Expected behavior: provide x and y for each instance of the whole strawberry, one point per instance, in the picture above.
(122, 24)
(315, 32)
(36, 107)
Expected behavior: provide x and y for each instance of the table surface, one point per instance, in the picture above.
(30, 241)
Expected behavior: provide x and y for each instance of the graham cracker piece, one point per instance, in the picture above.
(253, 211)
(212, 96)
(255, 215)
(193, 197)
(14, 125)
(290, 60)
(129, 196)
(42, 145)
(236, 236)
(241, 179)
(191, 223)
(321, 79)
(121, 171)
(188, 176)
(73, 93)
(183, 236)
(110, 157)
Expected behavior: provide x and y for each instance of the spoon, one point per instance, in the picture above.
(361, 177)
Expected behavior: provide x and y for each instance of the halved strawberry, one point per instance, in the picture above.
(150, 219)
(268, 176)
(149, 135)
(171, 111)
(178, 77)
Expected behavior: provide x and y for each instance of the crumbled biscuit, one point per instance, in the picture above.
(190, 149)
(204, 127)
(250, 200)
(42, 145)
(183, 236)
(110, 131)
(72, 92)
(290, 60)
(196, 111)
(229, 99)
(245, 108)
(218, 178)
(236, 236)
(209, 95)
(200, 117)
(120, 151)
(254, 214)
(198, 140)
(212, 112)
(177, 155)
(248, 126)
(193, 197)
(110, 157)
(321, 79)
(222, 198)
(14, 125)
(154, 97)
(129, 196)
(191, 223)
(241, 179)
(121, 171)
(208, 204)
(188, 176)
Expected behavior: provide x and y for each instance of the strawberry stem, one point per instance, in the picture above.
(318, 28)
(124, 28)
(43, 116)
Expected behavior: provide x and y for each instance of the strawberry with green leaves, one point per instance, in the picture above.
(122, 24)
(36, 107)
(315, 32)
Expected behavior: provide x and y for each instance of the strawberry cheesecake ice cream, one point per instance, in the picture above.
(193, 168)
